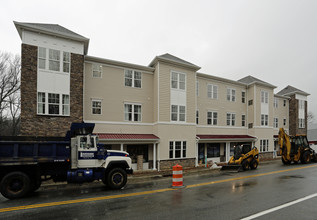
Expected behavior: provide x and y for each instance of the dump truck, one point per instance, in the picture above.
(295, 148)
(244, 158)
(25, 162)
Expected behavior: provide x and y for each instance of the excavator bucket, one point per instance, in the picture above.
(231, 167)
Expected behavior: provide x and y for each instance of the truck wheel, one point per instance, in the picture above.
(117, 178)
(286, 162)
(15, 185)
(254, 164)
(306, 157)
(245, 165)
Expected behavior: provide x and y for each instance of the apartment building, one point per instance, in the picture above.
(164, 113)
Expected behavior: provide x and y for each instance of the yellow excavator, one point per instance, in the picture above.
(243, 158)
(295, 148)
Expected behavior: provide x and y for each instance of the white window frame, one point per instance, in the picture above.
(301, 104)
(96, 107)
(231, 94)
(212, 117)
(264, 145)
(243, 96)
(301, 123)
(264, 120)
(275, 103)
(243, 120)
(264, 97)
(178, 113)
(133, 112)
(284, 122)
(212, 91)
(231, 119)
(197, 88)
(275, 124)
(46, 104)
(182, 149)
(133, 78)
(197, 117)
(64, 61)
(176, 82)
(96, 70)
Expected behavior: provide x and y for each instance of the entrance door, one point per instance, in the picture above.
(201, 153)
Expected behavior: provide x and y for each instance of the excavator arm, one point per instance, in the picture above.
(285, 144)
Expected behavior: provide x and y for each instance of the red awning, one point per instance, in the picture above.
(118, 137)
(220, 137)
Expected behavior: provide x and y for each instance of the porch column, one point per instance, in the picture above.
(154, 156)
(121, 147)
(158, 156)
(227, 151)
(196, 154)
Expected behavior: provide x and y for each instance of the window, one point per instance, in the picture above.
(53, 104)
(250, 125)
(243, 120)
(284, 102)
(133, 78)
(65, 103)
(177, 149)
(132, 112)
(212, 91)
(243, 96)
(96, 107)
(66, 62)
(250, 102)
(284, 121)
(231, 119)
(264, 145)
(178, 113)
(54, 60)
(212, 118)
(41, 103)
(301, 104)
(213, 150)
(197, 117)
(231, 95)
(301, 123)
(96, 70)
(264, 120)
(178, 80)
(275, 122)
(264, 97)
(275, 104)
(42, 58)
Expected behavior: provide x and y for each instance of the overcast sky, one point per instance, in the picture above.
(273, 40)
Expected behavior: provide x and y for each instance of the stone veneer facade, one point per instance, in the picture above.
(293, 117)
(33, 124)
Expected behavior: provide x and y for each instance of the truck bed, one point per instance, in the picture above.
(26, 150)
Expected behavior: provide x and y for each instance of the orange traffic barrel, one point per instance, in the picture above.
(177, 176)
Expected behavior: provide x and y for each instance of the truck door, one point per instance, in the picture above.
(87, 151)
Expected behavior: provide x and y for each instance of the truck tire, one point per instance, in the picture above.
(286, 162)
(306, 157)
(254, 164)
(15, 185)
(245, 165)
(116, 178)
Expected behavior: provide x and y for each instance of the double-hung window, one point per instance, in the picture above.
(264, 97)
(212, 91)
(231, 119)
(231, 95)
(177, 149)
(53, 60)
(65, 103)
(66, 62)
(301, 123)
(243, 96)
(264, 120)
(212, 118)
(275, 122)
(264, 145)
(243, 121)
(178, 113)
(53, 104)
(178, 81)
(132, 112)
(132, 78)
(41, 103)
(96, 107)
(42, 58)
(197, 117)
(96, 70)
(275, 104)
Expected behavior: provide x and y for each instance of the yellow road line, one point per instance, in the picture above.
(142, 193)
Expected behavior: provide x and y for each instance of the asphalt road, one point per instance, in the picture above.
(273, 191)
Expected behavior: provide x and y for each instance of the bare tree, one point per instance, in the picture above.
(310, 117)
(10, 69)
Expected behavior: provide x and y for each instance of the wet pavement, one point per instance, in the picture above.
(207, 195)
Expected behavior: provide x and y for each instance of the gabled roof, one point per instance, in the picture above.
(290, 90)
(174, 60)
(52, 29)
(249, 80)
